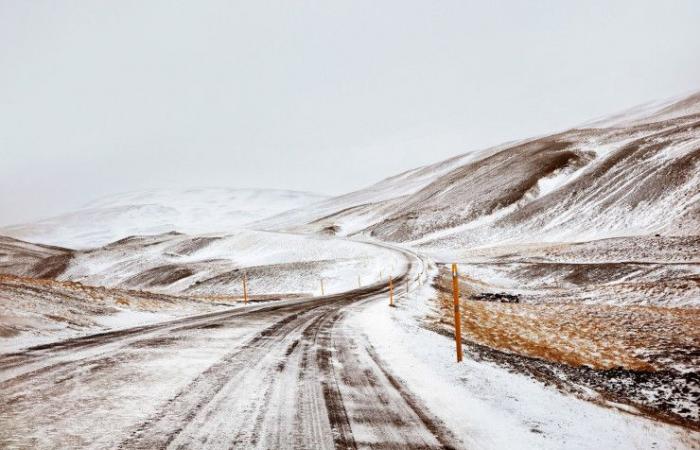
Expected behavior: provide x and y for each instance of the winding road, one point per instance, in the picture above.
(293, 374)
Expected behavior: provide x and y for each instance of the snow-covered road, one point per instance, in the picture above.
(288, 375)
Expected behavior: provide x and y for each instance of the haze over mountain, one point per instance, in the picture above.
(193, 211)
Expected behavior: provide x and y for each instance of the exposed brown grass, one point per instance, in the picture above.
(599, 336)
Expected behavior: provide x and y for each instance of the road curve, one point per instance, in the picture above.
(287, 375)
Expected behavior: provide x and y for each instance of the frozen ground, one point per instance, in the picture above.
(341, 371)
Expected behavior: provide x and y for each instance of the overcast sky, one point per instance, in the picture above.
(327, 96)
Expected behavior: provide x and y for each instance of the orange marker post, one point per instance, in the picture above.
(458, 318)
(391, 292)
(245, 288)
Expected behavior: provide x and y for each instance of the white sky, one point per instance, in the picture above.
(327, 96)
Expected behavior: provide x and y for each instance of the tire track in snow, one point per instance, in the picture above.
(303, 380)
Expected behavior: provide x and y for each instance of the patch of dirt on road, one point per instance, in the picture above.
(157, 342)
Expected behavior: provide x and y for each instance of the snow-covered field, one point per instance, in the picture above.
(170, 275)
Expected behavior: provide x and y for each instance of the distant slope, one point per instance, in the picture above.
(354, 211)
(176, 263)
(208, 265)
(160, 211)
(636, 174)
(579, 185)
(32, 260)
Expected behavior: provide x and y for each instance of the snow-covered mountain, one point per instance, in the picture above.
(583, 184)
(192, 211)
(578, 185)
(635, 174)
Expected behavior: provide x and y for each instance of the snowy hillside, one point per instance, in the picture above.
(632, 176)
(354, 211)
(159, 211)
(208, 265)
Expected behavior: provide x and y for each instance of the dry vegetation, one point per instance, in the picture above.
(647, 356)
(599, 336)
(42, 306)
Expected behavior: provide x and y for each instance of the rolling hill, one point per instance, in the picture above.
(630, 175)
(193, 211)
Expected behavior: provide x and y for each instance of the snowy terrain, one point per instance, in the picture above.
(581, 184)
(193, 211)
(213, 264)
(493, 407)
(580, 279)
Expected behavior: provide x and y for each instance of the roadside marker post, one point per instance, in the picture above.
(458, 319)
(245, 288)
(322, 291)
(359, 282)
(391, 292)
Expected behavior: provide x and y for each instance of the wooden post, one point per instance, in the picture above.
(391, 292)
(322, 292)
(245, 288)
(458, 319)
